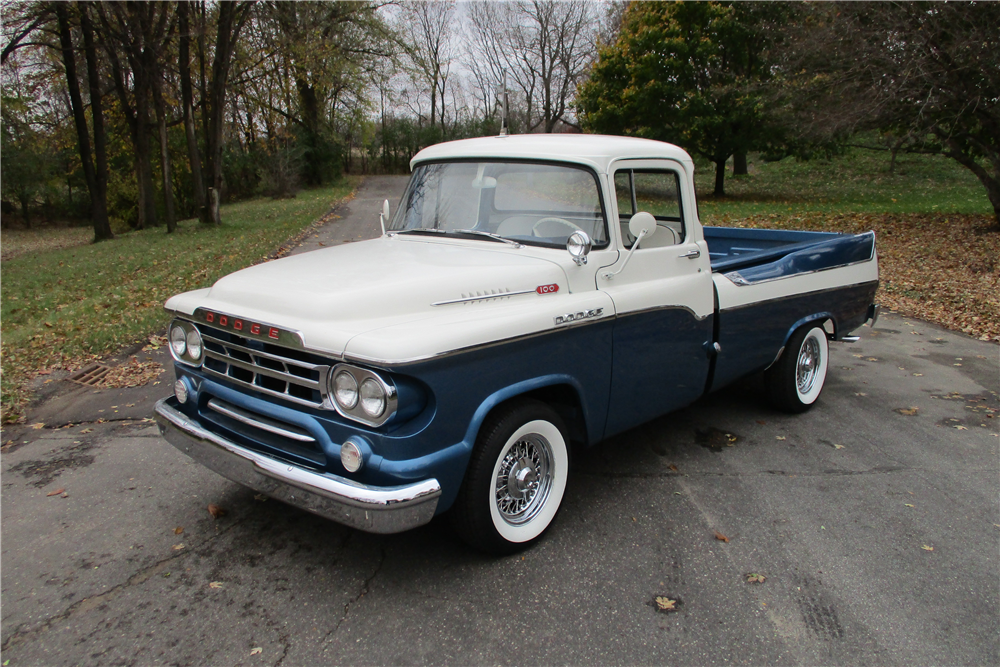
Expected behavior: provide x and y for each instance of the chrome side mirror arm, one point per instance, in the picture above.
(611, 274)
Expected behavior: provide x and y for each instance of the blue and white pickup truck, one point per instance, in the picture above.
(531, 295)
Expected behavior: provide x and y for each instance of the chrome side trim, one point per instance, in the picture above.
(480, 296)
(798, 295)
(738, 280)
(653, 309)
(263, 423)
(385, 363)
(375, 509)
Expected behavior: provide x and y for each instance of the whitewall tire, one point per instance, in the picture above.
(796, 380)
(516, 479)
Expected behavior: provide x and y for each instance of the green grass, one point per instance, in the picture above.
(63, 306)
(856, 182)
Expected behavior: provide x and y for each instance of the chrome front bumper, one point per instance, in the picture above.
(375, 509)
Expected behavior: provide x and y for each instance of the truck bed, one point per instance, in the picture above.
(755, 255)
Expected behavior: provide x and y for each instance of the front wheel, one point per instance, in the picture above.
(794, 383)
(515, 481)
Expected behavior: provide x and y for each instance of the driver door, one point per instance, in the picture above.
(664, 297)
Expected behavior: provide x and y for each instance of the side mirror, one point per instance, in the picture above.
(384, 215)
(641, 225)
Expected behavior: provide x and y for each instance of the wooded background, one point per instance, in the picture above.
(135, 114)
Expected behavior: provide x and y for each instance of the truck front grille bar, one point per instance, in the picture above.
(270, 373)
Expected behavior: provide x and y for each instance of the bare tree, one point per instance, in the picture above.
(429, 36)
(545, 48)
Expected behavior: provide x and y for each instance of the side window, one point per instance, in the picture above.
(658, 192)
(652, 191)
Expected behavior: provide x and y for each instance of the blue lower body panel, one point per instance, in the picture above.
(751, 336)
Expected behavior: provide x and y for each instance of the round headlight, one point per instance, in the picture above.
(345, 390)
(350, 456)
(178, 341)
(372, 398)
(194, 344)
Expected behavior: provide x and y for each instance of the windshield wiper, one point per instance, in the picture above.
(421, 230)
(489, 235)
(455, 232)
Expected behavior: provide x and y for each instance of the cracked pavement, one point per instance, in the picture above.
(834, 507)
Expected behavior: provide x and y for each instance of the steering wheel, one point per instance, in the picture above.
(559, 221)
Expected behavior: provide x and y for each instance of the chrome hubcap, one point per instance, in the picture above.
(808, 362)
(524, 479)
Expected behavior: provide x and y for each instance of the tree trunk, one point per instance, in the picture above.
(76, 102)
(205, 104)
(740, 163)
(102, 226)
(165, 166)
(232, 16)
(143, 154)
(720, 178)
(187, 106)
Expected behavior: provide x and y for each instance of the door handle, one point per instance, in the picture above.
(691, 254)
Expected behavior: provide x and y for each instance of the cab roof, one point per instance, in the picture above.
(594, 150)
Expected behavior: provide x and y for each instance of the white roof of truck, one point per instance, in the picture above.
(595, 150)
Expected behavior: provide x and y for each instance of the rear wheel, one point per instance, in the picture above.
(515, 481)
(796, 380)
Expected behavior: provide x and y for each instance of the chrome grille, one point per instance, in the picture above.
(267, 372)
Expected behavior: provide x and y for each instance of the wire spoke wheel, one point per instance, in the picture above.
(808, 363)
(516, 478)
(523, 480)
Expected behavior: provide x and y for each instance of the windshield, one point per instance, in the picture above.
(530, 203)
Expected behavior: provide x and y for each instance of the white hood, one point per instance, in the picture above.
(336, 295)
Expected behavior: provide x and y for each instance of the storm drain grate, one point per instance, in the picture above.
(91, 376)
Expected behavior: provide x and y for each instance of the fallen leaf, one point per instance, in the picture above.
(665, 603)
(216, 511)
(838, 446)
(961, 428)
(908, 505)
(673, 467)
(56, 492)
(918, 375)
(87, 430)
(178, 547)
(178, 530)
(909, 412)
(722, 538)
(257, 650)
(261, 497)
(927, 548)
(754, 578)
(780, 437)
(860, 393)
(215, 584)
(38, 426)
(761, 422)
